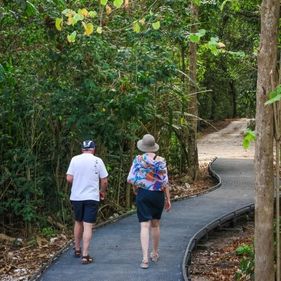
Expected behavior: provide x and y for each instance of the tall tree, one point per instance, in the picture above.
(267, 80)
(193, 88)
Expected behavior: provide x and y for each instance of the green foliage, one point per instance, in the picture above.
(246, 267)
(156, 25)
(71, 70)
(234, 5)
(103, 2)
(274, 96)
(53, 94)
(197, 2)
(136, 27)
(2, 73)
(30, 10)
(230, 69)
(244, 250)
(71, 37)
(117, 3)
(195, 37)
(249, 137)
(212, 45)
(48, 232)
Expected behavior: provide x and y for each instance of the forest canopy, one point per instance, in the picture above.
(111, 71)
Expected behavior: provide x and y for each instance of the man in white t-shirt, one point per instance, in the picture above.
(88, 176)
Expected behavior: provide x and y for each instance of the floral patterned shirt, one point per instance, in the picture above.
(147, 173)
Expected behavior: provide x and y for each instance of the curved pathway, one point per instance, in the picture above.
(226, 143)
(116, 246)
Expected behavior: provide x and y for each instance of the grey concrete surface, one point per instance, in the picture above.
(116, 247)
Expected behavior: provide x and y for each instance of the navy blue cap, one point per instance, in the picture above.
(88, 144)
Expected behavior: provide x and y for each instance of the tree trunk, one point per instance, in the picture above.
(192, 103)
(267, 59)
(233, 98)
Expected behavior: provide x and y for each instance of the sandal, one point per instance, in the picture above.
(144, 264)
(77, 253)
(155, 257)
(86, 259)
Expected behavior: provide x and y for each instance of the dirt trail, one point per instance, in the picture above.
(226, 143)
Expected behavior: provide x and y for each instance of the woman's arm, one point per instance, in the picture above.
(135, 189)
(167, 199)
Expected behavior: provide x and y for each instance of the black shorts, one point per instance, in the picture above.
(150, 204)
(85, 211)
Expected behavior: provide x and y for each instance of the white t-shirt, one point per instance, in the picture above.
(87, 170)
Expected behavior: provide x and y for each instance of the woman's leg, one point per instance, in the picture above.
(144, 237)
(155, 233)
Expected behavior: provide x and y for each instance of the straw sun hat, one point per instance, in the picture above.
(147, 144)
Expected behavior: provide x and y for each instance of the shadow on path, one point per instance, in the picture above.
(116, 246)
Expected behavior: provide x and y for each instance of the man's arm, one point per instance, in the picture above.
(103, 187)
(69, 179)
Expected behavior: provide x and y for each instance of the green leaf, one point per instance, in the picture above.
(88, 28)
(71, 37)
(194, 38)
(77, 18)
(136, 27)
(244, 249)
(156, 25)
(249, 137)
(274, 96)
(59, 22)
(68, 12)
(99, 30)
(71, 21)
(212, 45)
(92, 14)
(103, 2)
(197, 2)
(182, 121)
(235, 5)
(214, 40)
(31, 10)
(83, 12)
(201, 32)
(273, 100)
(118, 3)
(223, 4)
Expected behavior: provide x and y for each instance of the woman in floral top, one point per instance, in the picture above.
(149, 177)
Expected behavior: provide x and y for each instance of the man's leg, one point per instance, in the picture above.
(87, 236)
(144, 237)
(78, 232)
(155, 233)
(89, 219)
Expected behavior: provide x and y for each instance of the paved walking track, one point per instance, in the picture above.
(116, 246)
